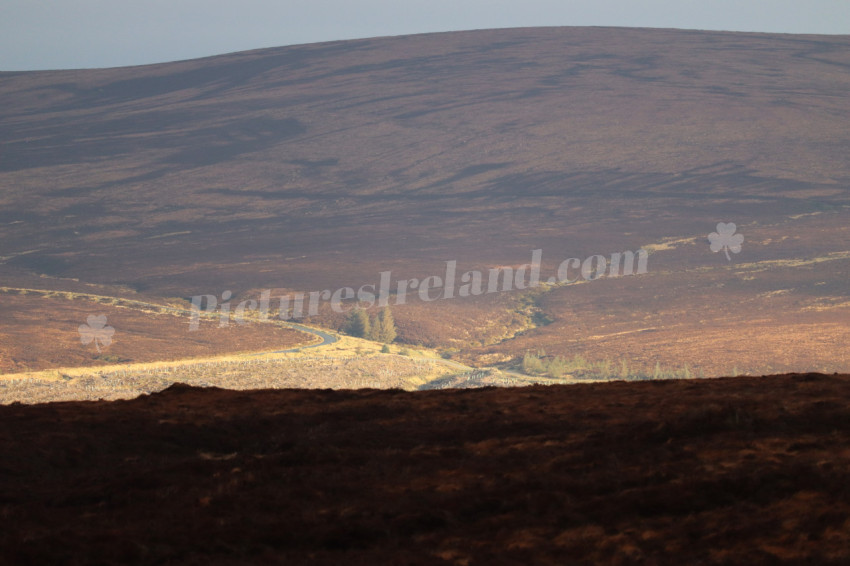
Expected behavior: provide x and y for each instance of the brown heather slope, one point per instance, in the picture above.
(730, 471)
(318, 166)
(42, 333)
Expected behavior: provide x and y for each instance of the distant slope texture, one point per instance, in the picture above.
(318, 166)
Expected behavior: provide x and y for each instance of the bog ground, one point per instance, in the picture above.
(749, 470)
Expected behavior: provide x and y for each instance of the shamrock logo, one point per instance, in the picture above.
(96, 330)
(726, 239)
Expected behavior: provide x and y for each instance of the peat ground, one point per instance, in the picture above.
(748, 470)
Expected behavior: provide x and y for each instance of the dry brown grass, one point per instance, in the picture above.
(727, 471)
(318, 371)
(40, 332)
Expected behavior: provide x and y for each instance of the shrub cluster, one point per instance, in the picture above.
(579, 367)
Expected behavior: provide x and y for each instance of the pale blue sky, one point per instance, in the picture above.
(53, 34)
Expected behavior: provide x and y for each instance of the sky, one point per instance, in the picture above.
(68, 34)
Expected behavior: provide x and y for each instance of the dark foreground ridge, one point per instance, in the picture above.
(749, 470)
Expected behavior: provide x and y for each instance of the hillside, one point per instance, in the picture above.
(320, 166)
(750, 470)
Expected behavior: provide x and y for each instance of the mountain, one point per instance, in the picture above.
(317, 167)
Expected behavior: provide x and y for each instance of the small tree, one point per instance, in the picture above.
(385, 326)
(357, 323)
(375, 329)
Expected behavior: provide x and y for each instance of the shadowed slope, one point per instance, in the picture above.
(729, 471)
